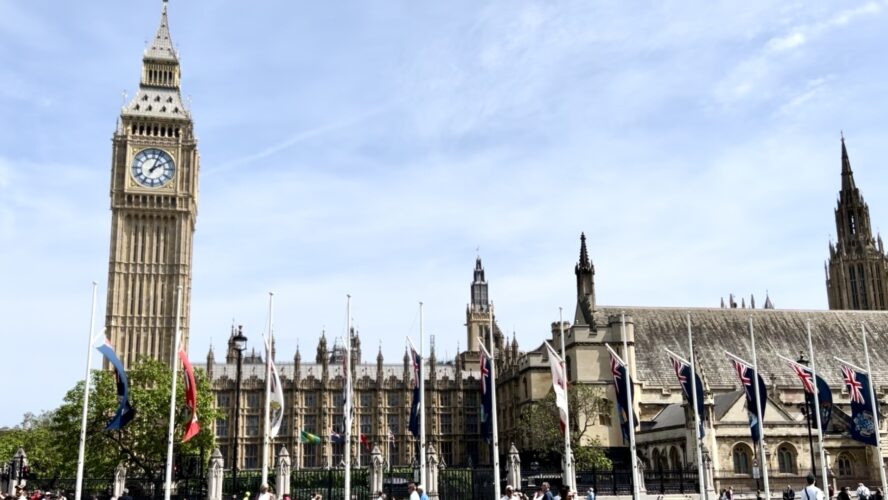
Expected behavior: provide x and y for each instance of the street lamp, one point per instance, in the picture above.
(808, 413)
(240, 345)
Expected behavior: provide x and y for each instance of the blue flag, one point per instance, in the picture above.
(624, 401)
(683, 372)
(824, 395)
(747, 375)
(863, 424)
(486, 399)
(125, 411)
(417, 399)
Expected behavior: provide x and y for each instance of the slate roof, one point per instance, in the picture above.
(835, 333)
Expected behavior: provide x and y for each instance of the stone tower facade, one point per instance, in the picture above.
(154, 174)
(857, 270)
(479, 310)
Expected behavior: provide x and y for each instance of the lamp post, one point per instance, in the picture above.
(240, 345)
(807, 409)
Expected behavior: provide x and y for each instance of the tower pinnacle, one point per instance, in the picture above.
(161, 47)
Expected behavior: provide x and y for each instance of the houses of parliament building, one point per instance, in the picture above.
(154, 201)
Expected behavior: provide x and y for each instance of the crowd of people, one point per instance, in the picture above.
(812, 492)
(22, 494)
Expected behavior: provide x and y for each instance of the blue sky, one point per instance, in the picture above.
(370, 147)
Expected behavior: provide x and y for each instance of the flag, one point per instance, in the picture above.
(309, 438)
(336, 438)
(486, 397)
(559, 385)
(746, 374)
(417, 397)
(624, 401)
(347, 404)
(862, 427)
(365, 442)
(193, 427)
(824, 395)
(277, 402)
(125, 411)
(683, 372)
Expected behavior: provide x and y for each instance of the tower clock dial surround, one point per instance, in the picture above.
(153, 167)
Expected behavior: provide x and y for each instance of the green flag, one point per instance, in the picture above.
(307, 437)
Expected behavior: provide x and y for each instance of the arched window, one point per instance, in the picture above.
(786, 459)
(844, 465)
(742, 457)
(675, 459)
(655, 458)
(526, 392)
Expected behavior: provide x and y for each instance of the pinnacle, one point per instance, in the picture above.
(161, 47)
(847, 174)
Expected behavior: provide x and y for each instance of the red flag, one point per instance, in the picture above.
(365, 441)
(193, 427)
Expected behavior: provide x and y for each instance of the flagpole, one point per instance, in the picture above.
(763, 459)
(817, 412)
(169, 462)
(496, 469)
(698, 441)
(422, 437)
(346, 420)
(875, 405)
(78, 490)
(568, 453)
(636, 493)
(267, 423)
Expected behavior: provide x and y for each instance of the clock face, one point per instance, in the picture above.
(153, 167)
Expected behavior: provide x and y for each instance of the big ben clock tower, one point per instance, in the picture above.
(154, 172)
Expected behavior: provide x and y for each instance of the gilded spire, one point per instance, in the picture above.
(162, 46)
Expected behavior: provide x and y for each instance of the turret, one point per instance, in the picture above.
(585, 273)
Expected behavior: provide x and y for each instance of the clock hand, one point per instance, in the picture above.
(155, 167)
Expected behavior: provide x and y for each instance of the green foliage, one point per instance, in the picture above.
(540, 431)
(51, 440)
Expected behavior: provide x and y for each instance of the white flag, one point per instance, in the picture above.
(559, 384)
(277, 402)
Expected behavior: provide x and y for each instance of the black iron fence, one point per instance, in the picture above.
(614, 481)
(665, 482)
(473, 483)
(330, 483)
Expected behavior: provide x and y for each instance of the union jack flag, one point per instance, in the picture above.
(805, 376)
(617, 373)
(416, 364)
(485, 372)
(741, 373)
(854, 385)
(679, 367)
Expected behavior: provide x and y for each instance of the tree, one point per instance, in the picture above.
(51, 440)
(540, 431)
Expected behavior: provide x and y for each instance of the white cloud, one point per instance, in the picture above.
(786, 42)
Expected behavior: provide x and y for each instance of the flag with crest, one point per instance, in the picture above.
(559, 385)
(624, 400)
(486, 397)
(746, 375)
(683, 372)
(416, 360)
(824, 395)
(863, 424)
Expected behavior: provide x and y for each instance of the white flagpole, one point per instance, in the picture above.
(495, 437)
(763, 459)
(265, 434)
(875, 404)
(168, 485)
(704, 494)
(568, 453)
(817, 413)
(636, 491)
(346, 417)
(422, 437)
(78, 490)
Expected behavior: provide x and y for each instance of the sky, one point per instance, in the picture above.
(375, 148)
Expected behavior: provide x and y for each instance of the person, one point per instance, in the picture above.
(126, 495)
(547, 494)
(730, 493)
(411, 489)
(264, 494)
(590, 495)
(811, 491)
(788, 493)
(246, 495)
(723, 495)
(863, 493)
(380, 495)
(317, 496)
(508, 493)
(422, 493)
(843, 494)
(877, 495)
(539, 494)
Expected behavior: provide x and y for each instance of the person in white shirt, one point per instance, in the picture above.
(811, 492)
(411, 488)
(590, 495)
(264, 494)
(863, 493)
